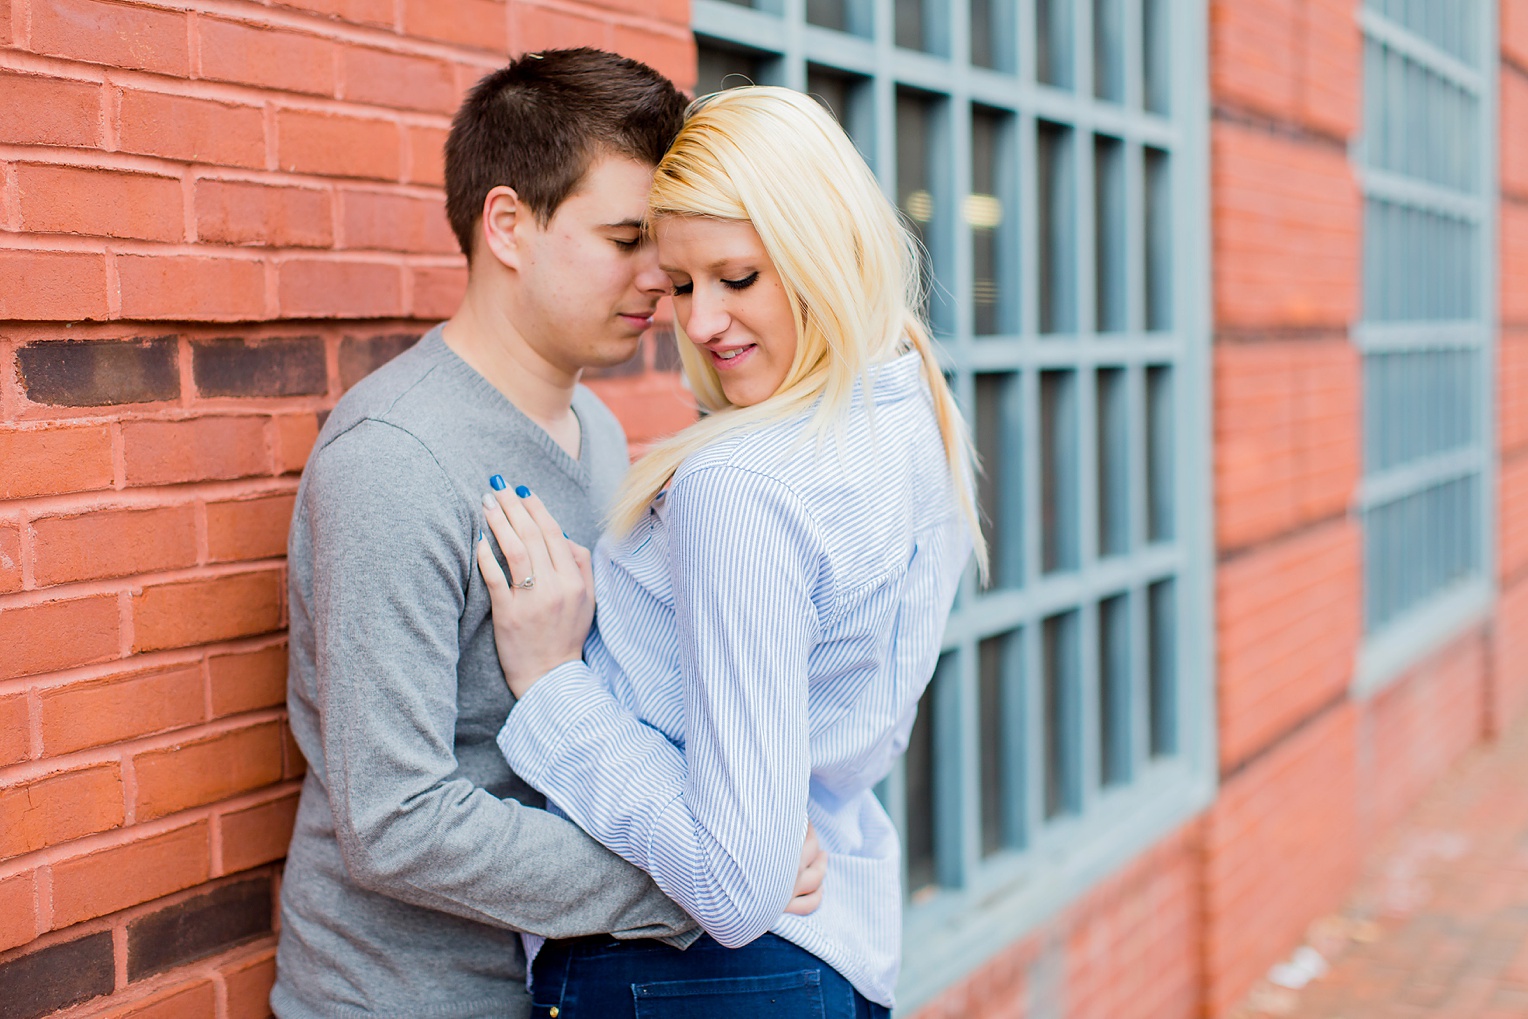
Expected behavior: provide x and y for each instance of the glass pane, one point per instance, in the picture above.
(1053, 42)
(1062, 743)
(1108, 50)
(1162, 660)
(1160, 491)
(1154, 42)
(998, 434)
(1158, 231)
(1109, 234)
(993, 305)
(1057, 228)
(919, 765)
(1114, 691)
(844, 96)
(917, 194)
(1058, 470)
(720, 68)
(1113, 434)
(828, 13)
(911, 17)
(1002, 727)
(1418, 546)
(993, 34)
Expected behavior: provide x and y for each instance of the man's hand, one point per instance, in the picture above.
(807, 895)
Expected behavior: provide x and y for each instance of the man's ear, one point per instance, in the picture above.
(504, 217)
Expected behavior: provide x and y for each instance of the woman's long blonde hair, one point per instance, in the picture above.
(775, 158)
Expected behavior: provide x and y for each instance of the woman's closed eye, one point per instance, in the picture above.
(742, 284)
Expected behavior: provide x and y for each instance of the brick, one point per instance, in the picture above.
(191, 287)
(1512, 380)
(18, 912)
(194, 999)
(481, 24)
(249, 986)
(1286, 223)
(545, 28)
(362, 12)
(393, 222)
(99, 203)
(1331, 66)
(248, 528)
(257, 55)
(240, 212)
(651, 405)
(1513, 134)
(56, 286)
(59, 808)
(675, 12)
(198, 449)
(121, 707)
(336, 145)
(295, 437)
(52, 461)
(1509, 672)
(114, 34)
(54, 978)
(15, 730)
(1514, 33)
(36, 110)
(99, 373)
(137, 870)
(399, 80)
(10, 557)
(184, 613)
(277, 366)
(257, 835)
(294, 764)
(197, 927)
(1513, 553)
(669, 53)
(1289, 629)
(1513, 218)
(362, 355)
(59, 635)
(313, 288)
(112, 543)
(426, 155)
(207, 770)
(436, 292)
(192, 130)
(248, 680)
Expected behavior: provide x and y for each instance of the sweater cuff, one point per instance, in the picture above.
(541, 725)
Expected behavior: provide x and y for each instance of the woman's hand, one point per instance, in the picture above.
(541, 611)
(807, 895)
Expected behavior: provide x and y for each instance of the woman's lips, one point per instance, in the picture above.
(739, 355)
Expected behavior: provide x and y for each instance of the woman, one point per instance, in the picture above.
(772, 591)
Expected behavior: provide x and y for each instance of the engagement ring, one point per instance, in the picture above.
(527, 583)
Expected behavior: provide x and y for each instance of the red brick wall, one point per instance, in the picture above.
(215, 221)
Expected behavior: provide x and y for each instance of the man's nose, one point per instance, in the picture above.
(650, 279)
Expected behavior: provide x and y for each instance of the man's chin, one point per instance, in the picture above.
(613, 354)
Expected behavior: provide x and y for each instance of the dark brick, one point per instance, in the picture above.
(281, 366)
(53, 978)
(362, 355)
(200, 926)
(99, 373)
(665, 350)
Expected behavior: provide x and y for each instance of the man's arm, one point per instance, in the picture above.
(390, 547)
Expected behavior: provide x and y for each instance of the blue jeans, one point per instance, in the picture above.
(601, 978)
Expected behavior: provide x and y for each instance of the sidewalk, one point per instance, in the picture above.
(1438, 924)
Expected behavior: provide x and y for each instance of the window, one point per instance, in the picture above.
(1425, 166)
(1050, 157)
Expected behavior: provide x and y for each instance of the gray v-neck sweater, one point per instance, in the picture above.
(417, 853)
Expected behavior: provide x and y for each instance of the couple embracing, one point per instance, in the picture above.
(671, 813)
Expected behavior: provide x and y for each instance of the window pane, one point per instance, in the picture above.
(999, 488)
(992, 33)
(1002, 742)
(917, 25)
(828, 13)
(1053, 42)
(986, 211)
(1113, 435)
(919, 765)
(1162, 659)
(1108, 50)
(1158, 232)
(845, 98)
(1154, 42)
(918, 196)
(721, 68)
(1114, 690)
(1057, 227)
(1058, 470)
(1062, 739)
(1160, 491)
(1109, 234)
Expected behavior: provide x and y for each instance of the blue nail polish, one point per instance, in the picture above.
(522, 491)
(565, 535)
(482, 536)
(497, 483)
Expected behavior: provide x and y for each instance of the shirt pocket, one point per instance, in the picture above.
(797, 995)
(642, 555)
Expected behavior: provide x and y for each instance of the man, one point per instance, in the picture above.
(417, 855)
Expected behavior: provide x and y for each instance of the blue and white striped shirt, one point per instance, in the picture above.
(761, 642)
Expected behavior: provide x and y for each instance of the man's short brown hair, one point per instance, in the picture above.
(536, 125)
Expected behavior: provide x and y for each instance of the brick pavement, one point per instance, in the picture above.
(1437, 926)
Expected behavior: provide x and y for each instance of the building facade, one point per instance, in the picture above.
(1235, 293)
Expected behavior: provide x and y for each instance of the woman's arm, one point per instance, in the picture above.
(719, 825)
